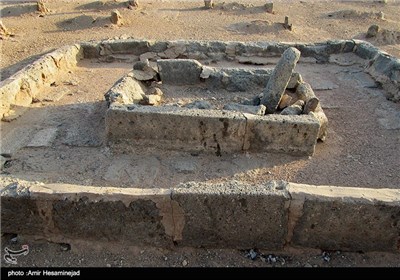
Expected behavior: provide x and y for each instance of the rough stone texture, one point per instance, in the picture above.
(286, 134)
(24, 85)
(292, 110)
(269, 7)
(116, 18)
(177, 128)
(19, 214)
(279, 79)
(365, 50)
(372, 31)
(44, 137)
(179, 71)
(233, 215)
(140, 222)
(255, 110)
(353, 220)
(127, 90)
(385, 69)
(311, 105)
(306, 93)
(241, 79)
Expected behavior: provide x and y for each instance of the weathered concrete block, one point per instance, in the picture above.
(179, 71)
(278, 133)
(177, 128)
(279, 79)
(233, 215)
(337, 218)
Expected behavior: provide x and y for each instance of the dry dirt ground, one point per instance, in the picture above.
(362, 148)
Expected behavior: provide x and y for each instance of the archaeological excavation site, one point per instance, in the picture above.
(205, 144)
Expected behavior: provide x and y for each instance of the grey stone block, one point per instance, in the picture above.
(337, 224)
(365, 50)
(179, 71)
(138, 223)
(178, 128)
(136, 47)
(279, 133)
(90, 50)
(233, 215)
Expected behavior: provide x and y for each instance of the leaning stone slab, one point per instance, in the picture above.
(179, 71)
(233, 214)
(343, 218)
(279, 79)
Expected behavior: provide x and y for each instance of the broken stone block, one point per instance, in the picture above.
(199, 104)
(311, 105)
(142, 71)
(372, 31)
(41, 7)
(287, 24)
(127, 90)
(116, 18)
(269, 7)
(294, 81)
(255, 110)
(279, 79)
(152, 99)
(305, 92)
(292, 110)
(173, 51)
(179, 71)
(208, 4)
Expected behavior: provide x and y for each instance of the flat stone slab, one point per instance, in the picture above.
(44, 137)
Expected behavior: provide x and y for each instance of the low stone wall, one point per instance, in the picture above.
(23, 86)
(226, 215)
(217, 131)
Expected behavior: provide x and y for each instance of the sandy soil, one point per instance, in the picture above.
(362, 152)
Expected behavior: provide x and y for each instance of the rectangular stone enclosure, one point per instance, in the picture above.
(226, 130)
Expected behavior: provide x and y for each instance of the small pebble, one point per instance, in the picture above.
(184, 263)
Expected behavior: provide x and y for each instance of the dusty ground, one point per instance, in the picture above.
(361, 149)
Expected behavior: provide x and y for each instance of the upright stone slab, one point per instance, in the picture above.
(279, 79)
(179, 71)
